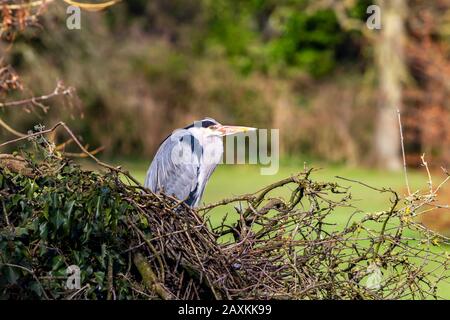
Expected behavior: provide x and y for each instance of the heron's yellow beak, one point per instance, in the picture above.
(230, 130)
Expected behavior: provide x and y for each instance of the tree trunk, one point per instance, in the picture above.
(391, 73)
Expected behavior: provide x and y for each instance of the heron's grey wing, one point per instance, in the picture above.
(175, 168)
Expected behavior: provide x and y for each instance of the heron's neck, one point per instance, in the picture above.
(212, 145)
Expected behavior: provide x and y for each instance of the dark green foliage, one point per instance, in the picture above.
(309, 42)
(267, 35)
(61, 218)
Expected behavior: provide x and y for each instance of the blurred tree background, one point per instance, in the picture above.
(310, 68)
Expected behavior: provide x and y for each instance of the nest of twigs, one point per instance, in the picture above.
(129, 243)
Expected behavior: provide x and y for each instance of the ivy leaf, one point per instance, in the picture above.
(11, 275)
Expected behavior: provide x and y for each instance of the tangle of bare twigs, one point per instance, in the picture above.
(274, 248)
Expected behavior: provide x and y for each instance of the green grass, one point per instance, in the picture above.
(232, 180)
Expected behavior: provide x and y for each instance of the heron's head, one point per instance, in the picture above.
(214, 128)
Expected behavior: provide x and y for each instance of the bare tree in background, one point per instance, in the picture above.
(390, 61)
(388, 44)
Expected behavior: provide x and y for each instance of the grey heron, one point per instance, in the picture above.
(186, 159)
